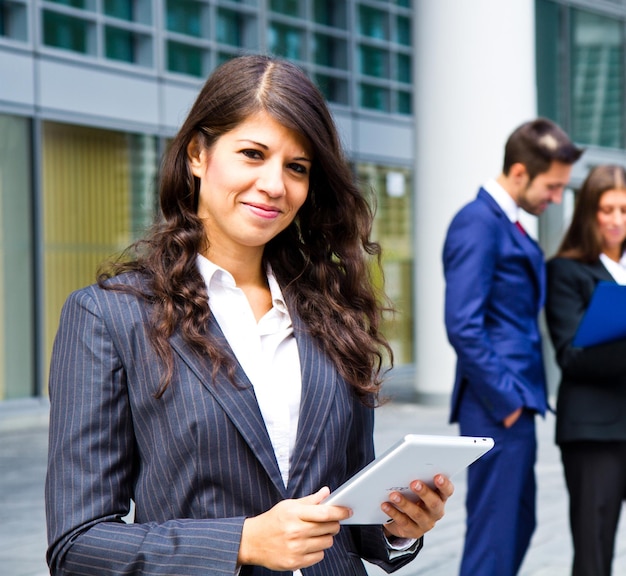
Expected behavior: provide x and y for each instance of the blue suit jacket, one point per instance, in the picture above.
(495, 285)
(196, 462)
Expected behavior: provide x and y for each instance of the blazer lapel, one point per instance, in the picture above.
(521, 239)
(319, 386)
(600, 272)
(237, 400)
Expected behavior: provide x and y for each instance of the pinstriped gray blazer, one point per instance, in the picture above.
(196, 462)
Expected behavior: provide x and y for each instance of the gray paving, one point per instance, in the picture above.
(23, 446)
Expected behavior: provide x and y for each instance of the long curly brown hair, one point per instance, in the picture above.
(323, 260)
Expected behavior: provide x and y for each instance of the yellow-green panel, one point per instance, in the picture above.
(86, 209)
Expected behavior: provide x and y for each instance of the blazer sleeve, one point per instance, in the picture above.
(470, 256)
(91, 467)
(570, 287)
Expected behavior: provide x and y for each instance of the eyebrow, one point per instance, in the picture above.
(266, 147)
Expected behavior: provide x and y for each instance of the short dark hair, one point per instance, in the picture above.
(538, 143)
(582, 241)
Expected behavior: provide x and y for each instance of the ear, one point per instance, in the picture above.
(518, 171)
(196, 156)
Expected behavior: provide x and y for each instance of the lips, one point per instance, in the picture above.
(263, 211)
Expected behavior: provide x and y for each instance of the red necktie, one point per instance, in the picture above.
(520, 227)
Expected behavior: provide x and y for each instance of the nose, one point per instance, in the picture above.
(617, 217)
(271, 180)
(557, 195)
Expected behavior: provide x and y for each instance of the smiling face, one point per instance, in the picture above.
(611, 220)
(546, 188)
(253, 181)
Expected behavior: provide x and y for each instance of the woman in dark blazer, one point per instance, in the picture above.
(223, 376)
(591, 404)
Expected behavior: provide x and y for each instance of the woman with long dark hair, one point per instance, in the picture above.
(591, 404)
(223, 375)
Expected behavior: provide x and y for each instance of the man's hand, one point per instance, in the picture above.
(414, 519)
(291, 535)
(512, 418)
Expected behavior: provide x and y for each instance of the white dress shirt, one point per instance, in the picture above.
(616, 269)
(503, 199)
(267, 352)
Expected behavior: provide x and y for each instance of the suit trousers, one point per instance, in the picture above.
(501, 492)
(595, 473)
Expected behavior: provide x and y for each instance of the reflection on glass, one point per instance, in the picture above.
(597, 80)
(392, 229)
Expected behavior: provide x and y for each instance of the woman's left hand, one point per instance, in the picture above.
(414, 519)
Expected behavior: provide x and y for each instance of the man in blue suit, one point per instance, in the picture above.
(494, 291)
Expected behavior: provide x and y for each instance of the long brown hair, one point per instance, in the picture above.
(582, 241)
(322, 260)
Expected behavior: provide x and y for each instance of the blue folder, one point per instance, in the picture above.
(605, 318)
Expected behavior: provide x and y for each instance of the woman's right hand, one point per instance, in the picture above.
(291, 535)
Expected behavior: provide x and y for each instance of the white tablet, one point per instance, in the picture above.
(415, 457)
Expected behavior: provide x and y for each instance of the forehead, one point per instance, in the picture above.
(557, 171)
(613, 196)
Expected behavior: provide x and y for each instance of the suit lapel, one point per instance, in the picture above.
(319, 386)
(600, 272)
(527, 244)
(237, 400)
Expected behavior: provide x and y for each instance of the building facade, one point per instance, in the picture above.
(424, 94)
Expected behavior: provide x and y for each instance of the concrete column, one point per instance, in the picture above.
(474, 83)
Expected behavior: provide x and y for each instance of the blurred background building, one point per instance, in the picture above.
(425, 93)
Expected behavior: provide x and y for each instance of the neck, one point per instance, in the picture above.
(614, 254)
(508, 186)
(246, 268)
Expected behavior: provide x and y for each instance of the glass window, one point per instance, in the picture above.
(17, 361)
(393, 230)
(122, 9)
(119, 44)
(185, 59)
(286, 41)
(597, 87)
(548, 49)
(185, 17)
(405, 102)
(373, 61)
(330, 51)
(373, 23)
(73, 3)
(62, 31)
(98, 193)
(404, 3)
(403, 30)
(334, 89)
(403, 68)
(288, 7)
(13, 21)
(229, 27)
(374, 97)
(330, 13)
